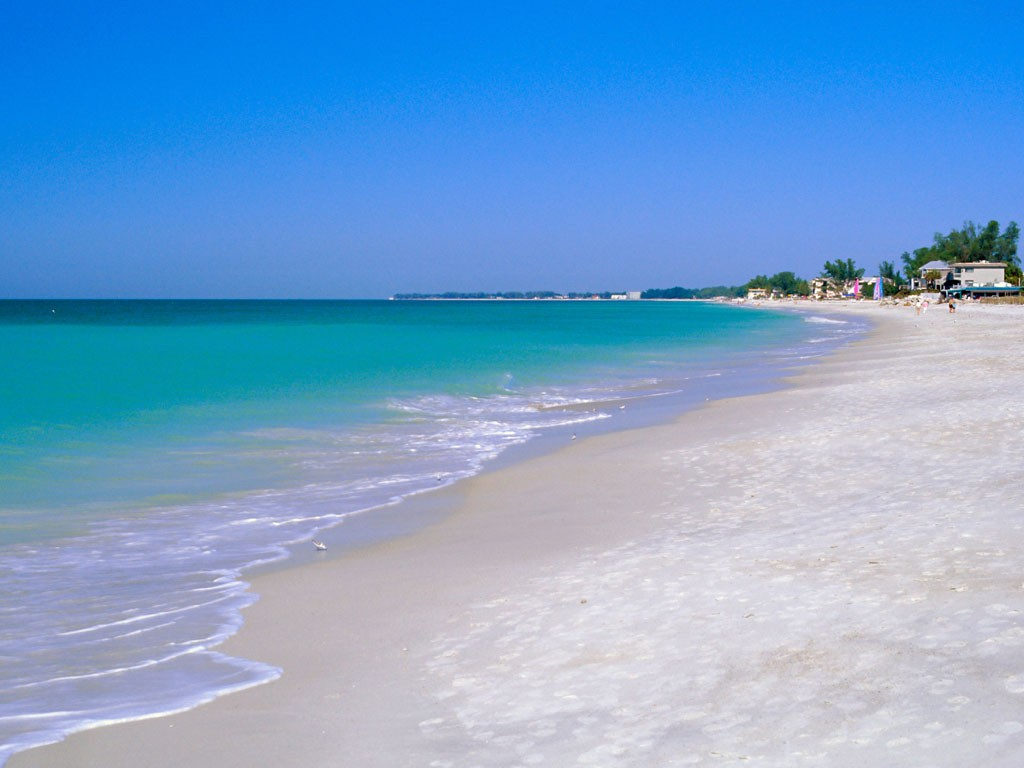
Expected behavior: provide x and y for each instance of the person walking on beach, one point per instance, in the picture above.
(952, 306)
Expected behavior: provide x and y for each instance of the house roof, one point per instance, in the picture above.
(935, 265)
(979, 264)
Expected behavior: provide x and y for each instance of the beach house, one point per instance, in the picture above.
(966, 274)
(979, 279)
(822, 288)
(757, 294)
(934, 274)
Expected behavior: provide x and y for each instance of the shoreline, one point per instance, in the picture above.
(412, 513)
(735, 583)
(196, 678)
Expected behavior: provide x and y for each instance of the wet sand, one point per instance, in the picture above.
(831, 574)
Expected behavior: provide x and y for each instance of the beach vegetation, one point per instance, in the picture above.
(678, 292)
(1014, 273)
(785, 283)
(841, 271)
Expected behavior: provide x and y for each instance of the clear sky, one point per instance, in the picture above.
(350, 150)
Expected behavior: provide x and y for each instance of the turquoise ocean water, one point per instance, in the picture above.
(151, 452)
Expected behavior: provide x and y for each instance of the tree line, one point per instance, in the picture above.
(970, 243)
(678, 292)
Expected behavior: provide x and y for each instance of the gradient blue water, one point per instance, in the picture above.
(150, 452)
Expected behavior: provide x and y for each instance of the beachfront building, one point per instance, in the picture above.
(966, 274)
(934, 274)
(978, 280)
(826, 288)
(757, 294)
(822, 288)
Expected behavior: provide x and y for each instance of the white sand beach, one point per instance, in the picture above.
(827, 575)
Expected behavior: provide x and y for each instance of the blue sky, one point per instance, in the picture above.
(335, 150)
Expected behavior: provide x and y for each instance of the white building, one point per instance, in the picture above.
(978, 273)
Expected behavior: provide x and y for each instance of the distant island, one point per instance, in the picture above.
(506, 295)
(652, 293)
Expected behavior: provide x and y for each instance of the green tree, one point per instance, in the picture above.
(1014, 274)
(785, 282)
(984, 245)
(1006, 244)
(761, 281)
(888, 271)
(841, 271)
(912, 263)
